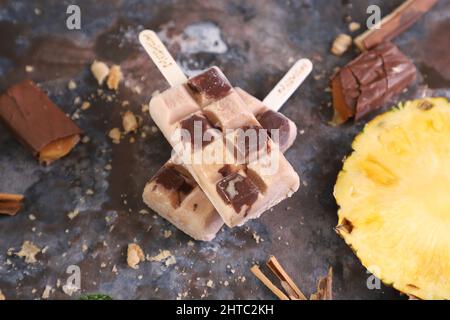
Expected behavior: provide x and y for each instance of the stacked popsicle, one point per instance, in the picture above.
(227, 164)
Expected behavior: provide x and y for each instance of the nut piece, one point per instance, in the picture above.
(114, 78)
(341, 44)
(29, 252)
(129, 122)
(354, 26)
(100, 71)
(135, 255)
(115, 135)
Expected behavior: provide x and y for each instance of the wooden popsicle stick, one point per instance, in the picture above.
(288, 84)
(281, 274)
(162, 58)
(395, 23)
(257, 272)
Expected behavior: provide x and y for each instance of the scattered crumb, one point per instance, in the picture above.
(135, 255)
(85, 105)
(77, 101)
(69, 289)
(341, 44)
(2, 296)
(144, 108)
(210, 284)
(72, 85)
(164, 255)
(125, 103)
(47, 291)
(257, 237)
(108, 167)
(29, 252)
(354, 26)
(144, 211)
(154, 129)
(89, 192)
(32, 217)
(114, 269)
(44, 250)
(129, 122)
(73, 214)
(226, 283)
(37, 11)
(85, 139)
(103, 265)
(190, 243)
(115, 135)
(114, 78)
(167, 234)
(100, 71)
(137, 89)
(84, 247)
(29, 69)
(170, 261)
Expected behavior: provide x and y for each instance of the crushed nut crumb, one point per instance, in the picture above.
(100, 71)
(135, 255)
(115, 135)
(341, 44)
(29, 252)
(129, 122)
(114, 78)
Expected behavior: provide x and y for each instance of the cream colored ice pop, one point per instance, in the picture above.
(175, 195)
(209, 105)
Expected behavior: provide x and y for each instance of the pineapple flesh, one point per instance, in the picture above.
(394, 198)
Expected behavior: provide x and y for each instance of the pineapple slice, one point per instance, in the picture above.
(394, 198)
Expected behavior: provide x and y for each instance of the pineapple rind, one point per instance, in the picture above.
(394, 191)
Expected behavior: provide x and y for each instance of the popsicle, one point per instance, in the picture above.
(175, 195)
(208, 105)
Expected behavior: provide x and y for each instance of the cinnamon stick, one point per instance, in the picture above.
(394, 24)
(10, 204)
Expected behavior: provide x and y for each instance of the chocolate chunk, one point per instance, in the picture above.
(271, 120)
(37, 122)
(172, 179)
(238, 191)
(370, 80)
(197, 125)
(210, 84)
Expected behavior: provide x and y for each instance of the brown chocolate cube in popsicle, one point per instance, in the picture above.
(37, 122)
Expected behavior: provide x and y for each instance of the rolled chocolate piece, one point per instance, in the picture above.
(10, 204)
(37, 122)
(370, 80)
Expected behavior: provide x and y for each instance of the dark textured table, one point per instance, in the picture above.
(255, 42)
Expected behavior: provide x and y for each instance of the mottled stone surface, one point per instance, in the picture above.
(254, 42)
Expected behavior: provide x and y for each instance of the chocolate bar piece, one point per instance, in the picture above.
(370, 80)
(237, 190)
(209, 86)
(10, 204)
(394, 24)
(37, 122)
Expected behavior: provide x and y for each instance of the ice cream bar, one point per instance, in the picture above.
(207, 106)
(37, 122)
(370, 80)
(176, 196)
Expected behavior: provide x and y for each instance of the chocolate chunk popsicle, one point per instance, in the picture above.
(370, 80)
(209, 106)
(175, 195)
(37, 122)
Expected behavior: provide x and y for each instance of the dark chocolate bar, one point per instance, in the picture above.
(370, 80)
(37, 122)
(238, 191)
